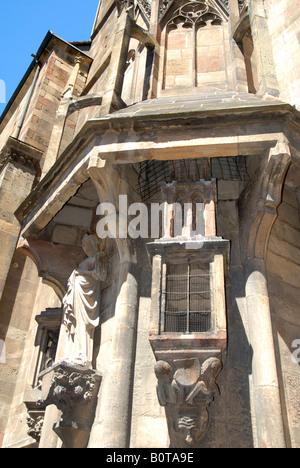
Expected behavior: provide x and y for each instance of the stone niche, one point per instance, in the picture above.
(188, 331)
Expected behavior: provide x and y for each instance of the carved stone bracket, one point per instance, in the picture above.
(22, 154)
(35, 418)
(73, 389)
(55, 262)
(186, 388)
(35, 421)
(21, 159)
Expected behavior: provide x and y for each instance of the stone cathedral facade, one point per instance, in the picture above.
(150, 232)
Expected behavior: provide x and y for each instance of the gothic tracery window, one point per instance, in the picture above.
(195, 52)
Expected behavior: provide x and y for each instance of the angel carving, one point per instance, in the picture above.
(188, 392)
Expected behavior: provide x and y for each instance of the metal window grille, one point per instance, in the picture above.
(187, 298)
(151, 174)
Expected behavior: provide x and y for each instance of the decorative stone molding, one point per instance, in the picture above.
(195, 13)
(73, 389)
(186, 388)
(21, 159)
(46, 340)
(166, 4)
(145, 6)
(20, 153)
(243, 4)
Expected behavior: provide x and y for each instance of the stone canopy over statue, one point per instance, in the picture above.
(82, 302)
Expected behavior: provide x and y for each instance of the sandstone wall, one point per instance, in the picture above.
(283, 264)
(284, 27)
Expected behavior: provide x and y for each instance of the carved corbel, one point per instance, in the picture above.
(20, 153)
(73, 389)
(265, 205)
(55, 262)
(35, 421)
(186, 388)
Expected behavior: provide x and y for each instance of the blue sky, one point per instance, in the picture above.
(25, 23)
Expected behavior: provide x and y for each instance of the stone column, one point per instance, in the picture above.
(234, 11)
(260, 213)
(112, 423)
(60, 120)
(269, 423)
(117, 67)
(113, 417)
(267, 79)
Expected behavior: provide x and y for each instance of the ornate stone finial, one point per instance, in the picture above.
(186, 394)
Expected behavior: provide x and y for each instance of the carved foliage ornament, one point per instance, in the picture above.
(186, 394)
(35, 423)
(22, 159)
(70, 388)
(73, 389)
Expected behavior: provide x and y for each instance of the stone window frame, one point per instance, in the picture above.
(48, 321)
(163, 301)
(214, 252)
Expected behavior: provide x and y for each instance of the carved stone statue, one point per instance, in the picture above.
(81, 303)
(186, 393)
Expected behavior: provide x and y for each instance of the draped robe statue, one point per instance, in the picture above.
(82, 302)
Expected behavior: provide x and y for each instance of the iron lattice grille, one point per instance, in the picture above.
(151, 174)
(187, 298)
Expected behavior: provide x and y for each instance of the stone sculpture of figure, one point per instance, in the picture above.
(81, 303)
(186, 394)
